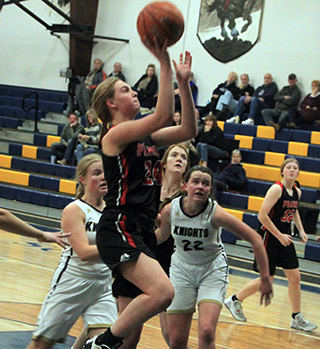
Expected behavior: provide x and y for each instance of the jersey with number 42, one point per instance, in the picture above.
(196, 238)
(134, 178)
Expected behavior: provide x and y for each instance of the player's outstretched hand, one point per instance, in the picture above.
(183, 67)
(56, 237)
(266, 291)
(156, 48)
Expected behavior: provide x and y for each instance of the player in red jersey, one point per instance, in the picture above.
(133, 173)
(279, 209)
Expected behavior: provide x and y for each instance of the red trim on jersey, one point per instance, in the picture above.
(271, 214)
(266, 234)
(124, 231)
(124, 179)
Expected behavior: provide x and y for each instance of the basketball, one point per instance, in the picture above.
(161, 18)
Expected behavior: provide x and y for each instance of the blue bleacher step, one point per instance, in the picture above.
(37, 210)
(4, 147)
(57, 118)
(43, 127)
(13, 135)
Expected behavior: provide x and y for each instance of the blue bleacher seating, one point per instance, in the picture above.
(312, 251)
(15, 149)
(58, 201)
(253, 156)
(19, 163)
(228, 237)
(43, 154)
(8, 192)
(314, 151)
(278, 146)
(40, 139)
(248, 130)
(251, 219)
(24, 195)
(261, 144)
(40, 198)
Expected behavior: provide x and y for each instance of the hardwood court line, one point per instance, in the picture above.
(8, 260)
(16, 322)
(254, 322)
(257, 324)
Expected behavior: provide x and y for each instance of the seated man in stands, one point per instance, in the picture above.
(228, 101)
(308, 115)
(65, 148)
(228, 85)
(82, 88)
(233, 176)
(262, 98)
(117, 71)
(287, 98)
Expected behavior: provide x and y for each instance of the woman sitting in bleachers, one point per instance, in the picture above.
(88, 142)
(212, 142)
(308, 115)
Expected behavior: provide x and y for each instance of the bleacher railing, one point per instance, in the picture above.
(35, 107)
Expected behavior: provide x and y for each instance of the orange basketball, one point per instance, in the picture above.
(161, 18)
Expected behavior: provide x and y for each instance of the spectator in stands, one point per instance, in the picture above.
(65, 148)
(233, 176)
(176, 118)
(194, 91)
(286, 99)
(228, 101)
(88, 142)
(308, 115)
(147, 87)
(84, 88)
(228, 85)
(262, 98)
(211, 142)
(117, 71)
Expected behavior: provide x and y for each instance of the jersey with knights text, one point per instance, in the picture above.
(134, 179)
(196, 238)
(284, 209)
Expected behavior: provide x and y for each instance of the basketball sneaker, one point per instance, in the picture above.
(300, 323)
(235, 308)
(91, 344)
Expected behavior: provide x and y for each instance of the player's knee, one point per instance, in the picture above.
(178, 342)
(206, 336)
(295, 281)
(166, 294)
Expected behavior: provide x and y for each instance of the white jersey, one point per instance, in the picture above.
(196, 238)
(71, 263)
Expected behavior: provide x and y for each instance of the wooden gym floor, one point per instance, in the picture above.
(26, 267)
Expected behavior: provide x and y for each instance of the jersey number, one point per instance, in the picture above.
(288, 216)
(190, 246)
(153, 175)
